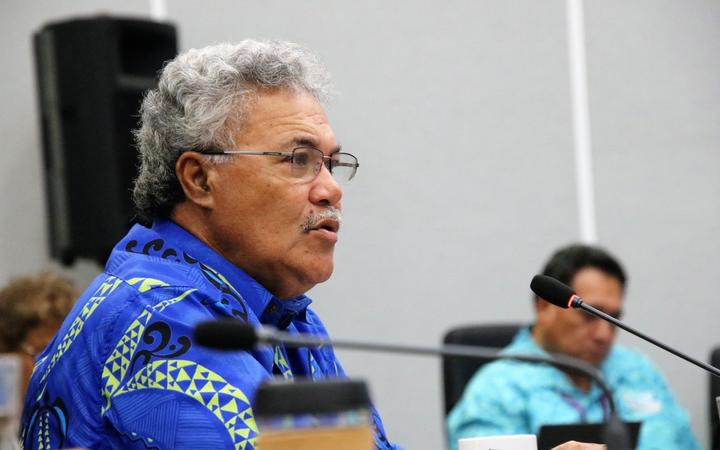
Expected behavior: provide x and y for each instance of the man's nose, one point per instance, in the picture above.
(325, 190)
(603, 331)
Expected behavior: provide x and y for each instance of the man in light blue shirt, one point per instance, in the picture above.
(509, 397)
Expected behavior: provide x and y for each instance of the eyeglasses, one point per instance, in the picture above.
(306, 162)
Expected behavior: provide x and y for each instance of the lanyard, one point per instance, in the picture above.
(582, 412)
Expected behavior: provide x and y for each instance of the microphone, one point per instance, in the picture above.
(562, 295)
(232, 334)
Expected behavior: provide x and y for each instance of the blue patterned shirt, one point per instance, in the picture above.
(123, 373)
(508, 397)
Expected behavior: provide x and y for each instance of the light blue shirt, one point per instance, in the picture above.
(508, 397)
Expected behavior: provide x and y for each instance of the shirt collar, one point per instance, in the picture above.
(525, 343)
(270, 310)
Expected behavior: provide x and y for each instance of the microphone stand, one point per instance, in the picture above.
(577, 303)
(616, 433)
(563, 296)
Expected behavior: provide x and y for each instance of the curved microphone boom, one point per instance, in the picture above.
(231, 334)
(562, 295)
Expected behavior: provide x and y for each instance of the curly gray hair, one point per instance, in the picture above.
(202, 94)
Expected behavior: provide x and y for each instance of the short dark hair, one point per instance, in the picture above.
(568, 261)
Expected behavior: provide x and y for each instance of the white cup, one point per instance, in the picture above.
(510, 442)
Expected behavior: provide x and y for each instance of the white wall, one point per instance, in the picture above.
(460, 114)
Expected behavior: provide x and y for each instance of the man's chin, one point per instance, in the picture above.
(596, 359)
(324, 275)
(310, 265)
(319, 270)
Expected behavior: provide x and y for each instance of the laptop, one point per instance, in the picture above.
(551, 436)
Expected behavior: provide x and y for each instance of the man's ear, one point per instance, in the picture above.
(194, 173)
(543, 309)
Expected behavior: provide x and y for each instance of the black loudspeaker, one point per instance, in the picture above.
(92, 74)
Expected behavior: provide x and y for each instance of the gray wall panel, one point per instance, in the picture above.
(655, 95)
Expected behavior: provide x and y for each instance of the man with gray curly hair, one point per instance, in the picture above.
(239, 191)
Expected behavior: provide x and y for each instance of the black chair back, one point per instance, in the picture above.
(458, 371)
(714, 393)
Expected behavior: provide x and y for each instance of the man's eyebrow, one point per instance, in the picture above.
(310, 142)
(303, 142)
(615, 313)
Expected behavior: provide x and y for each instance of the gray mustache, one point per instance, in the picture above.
(314, 219)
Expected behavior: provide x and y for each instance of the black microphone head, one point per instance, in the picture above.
(226, 334)
(552, 290)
